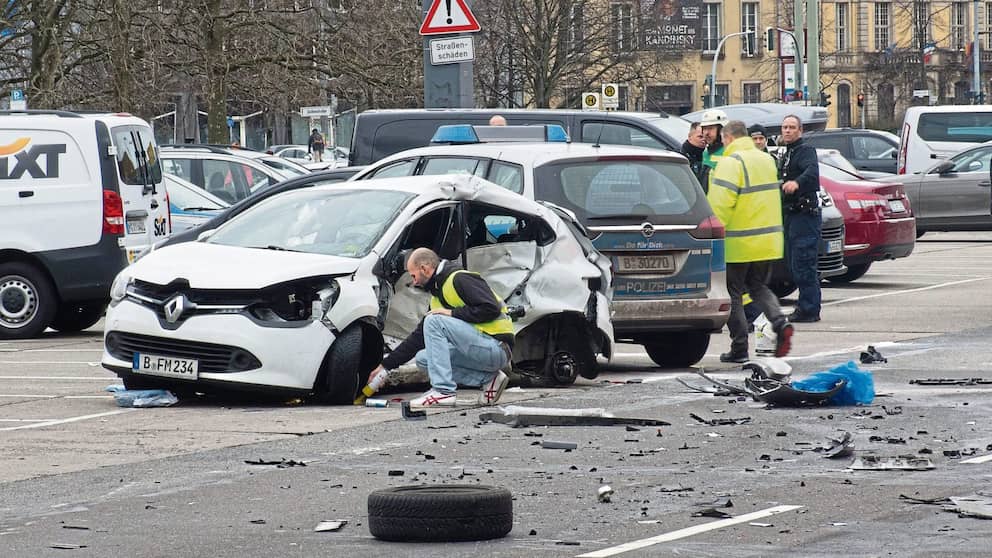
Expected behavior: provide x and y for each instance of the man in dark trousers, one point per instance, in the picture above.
(800, 174)
(693, 148)
(466, 338)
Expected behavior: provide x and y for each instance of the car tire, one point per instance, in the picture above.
(338, 381)
(783, 289)
(440, 513)
(76, 317)
(679, 349)
(27, 301)
(853, 273)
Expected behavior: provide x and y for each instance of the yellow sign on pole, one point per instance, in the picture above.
(590, 101)
(611, 96)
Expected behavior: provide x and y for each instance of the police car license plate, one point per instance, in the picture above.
(835, 246)
(639, 264)
(169, 367)
(896, 206)
(135, 226)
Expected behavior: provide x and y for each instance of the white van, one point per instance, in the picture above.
(931, 133)
(80, 195)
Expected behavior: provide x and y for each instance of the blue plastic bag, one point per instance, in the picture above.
(860, 388)
(145, 398)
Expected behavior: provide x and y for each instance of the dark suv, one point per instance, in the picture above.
(867, 150)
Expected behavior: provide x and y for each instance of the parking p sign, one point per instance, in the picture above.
(17, 100)
(611, 96)
(590, 101)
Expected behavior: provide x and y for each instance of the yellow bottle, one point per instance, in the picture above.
(374, 385)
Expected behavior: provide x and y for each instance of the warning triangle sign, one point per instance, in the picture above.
(449, 16)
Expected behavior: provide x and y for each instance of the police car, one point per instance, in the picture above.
(644, 209)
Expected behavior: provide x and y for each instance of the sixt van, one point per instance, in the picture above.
(80, 195)
(938, 132)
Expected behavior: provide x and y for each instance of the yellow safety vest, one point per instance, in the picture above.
(502, 325)
(745, 195)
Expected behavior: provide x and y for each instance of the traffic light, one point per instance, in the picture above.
(770, 38)
(824, 99)
(861, 99)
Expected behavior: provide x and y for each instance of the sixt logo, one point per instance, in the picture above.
(26, 160)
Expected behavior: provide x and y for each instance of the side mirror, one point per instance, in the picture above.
(943, 167)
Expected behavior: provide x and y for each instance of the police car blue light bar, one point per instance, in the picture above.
(467, 133)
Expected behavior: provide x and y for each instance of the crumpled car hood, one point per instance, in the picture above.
(214, 266)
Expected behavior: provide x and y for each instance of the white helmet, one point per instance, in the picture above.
(714, 117)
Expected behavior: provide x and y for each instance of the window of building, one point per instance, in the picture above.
(844, 105)
(749, 25)
(673, 99)
(723, 94)
(711, 27)
(622, 23)
(842, 23)
(988, 25)
(883, 24)
(959, 20)
(922, 21)
(751, 93)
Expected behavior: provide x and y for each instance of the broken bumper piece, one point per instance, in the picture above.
(784, 395)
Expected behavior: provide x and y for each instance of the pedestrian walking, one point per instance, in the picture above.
(799, 170)
(465, 339)
(711, 123)
(315, 145)
(745, 197)
(693, 148)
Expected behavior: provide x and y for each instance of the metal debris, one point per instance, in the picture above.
(721, 421)
(281, 464)
(898, 463)
(330, 525)
(843, 447)
(950, 381)
(888, 439)
(978, 506)
(517, 417)
(549, 444)
(66, 546)
(712, 512)
(871, 355)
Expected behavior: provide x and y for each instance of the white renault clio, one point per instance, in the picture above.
(297, 294)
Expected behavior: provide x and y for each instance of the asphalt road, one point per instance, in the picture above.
(79, 472)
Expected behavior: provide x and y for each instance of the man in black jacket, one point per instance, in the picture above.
(693, 148)
(799, 171)
(465, 339)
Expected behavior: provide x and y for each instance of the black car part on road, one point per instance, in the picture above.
(440, 513)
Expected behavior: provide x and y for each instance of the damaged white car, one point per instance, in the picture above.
(296, 294)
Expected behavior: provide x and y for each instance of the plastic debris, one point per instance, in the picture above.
(721, 421)
(410, 414)
(549, 444)
(950, 381)
(281, 464)
(330, 526)
(604, 493)
(978, 506)
(871, 355)
(516, 417)
(145, 398)
(842, 447)
(898, 463)
(859, 388)
(66, 546)
(712, 512)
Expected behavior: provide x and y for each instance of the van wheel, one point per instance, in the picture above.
(27, 301)
(440, 513)
(77, 317)
(853, 273)
(783, 289)
(338, 382)
(678, 349)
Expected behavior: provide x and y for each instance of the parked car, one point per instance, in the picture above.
(644, 209)
(954, 194)
(292, 152)
(295, 295)
(230, 177)
(867, 150)
(190, 205)
(938, 132)
(878, 220)
(80, 195)
(380, 133)
(769, 115)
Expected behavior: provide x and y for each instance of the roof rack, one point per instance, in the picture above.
(211, 147)
(62, 113)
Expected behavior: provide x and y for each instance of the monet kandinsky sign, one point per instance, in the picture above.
(671, 24)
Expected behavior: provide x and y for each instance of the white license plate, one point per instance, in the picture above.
(171, 367)
(835, 246)
(135, 226)
(896, 206)
(642, 264)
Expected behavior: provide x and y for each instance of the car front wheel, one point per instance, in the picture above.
(27, 301)
(338, 381)
(77, 317)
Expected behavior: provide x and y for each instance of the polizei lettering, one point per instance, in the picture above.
(27, 161)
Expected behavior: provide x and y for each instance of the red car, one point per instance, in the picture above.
(878, 221)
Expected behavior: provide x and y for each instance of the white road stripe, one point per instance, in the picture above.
(26, 420)
(90, 362)
(687, 532)
(39, 396)
(103, 378)
(66, 421)
(905, 291)
(979, 459)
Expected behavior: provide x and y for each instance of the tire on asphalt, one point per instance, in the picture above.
(338, 381)
(27, 301)
(677, 349)
(76, 317)
(783, 289)
(853, 273)
(440, 513)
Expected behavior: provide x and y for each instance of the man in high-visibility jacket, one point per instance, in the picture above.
(466, 338)
(744, 195)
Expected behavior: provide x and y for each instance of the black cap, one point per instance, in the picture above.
(757, 129)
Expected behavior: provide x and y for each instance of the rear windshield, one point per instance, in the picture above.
(619, 191)
(137, 156)
(973, 127)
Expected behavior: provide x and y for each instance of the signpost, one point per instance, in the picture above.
(590, 100)
(17, 100)
(448, 68)
(315, 112)
(611, 96)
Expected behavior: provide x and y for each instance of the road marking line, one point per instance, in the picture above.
(90, 362)
(38, 396)
(66, 421)
(687, 532)
(104, 378)
(905, 291)
(26, 420)
(979, 459)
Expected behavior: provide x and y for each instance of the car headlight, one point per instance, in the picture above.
(296, 300)
(327, 298)
(118, 290)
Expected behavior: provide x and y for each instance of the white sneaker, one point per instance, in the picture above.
(493, 389)
(434, 398)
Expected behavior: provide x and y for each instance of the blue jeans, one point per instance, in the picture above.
(457, 353)
(802, 245)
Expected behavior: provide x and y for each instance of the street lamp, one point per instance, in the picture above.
(976, 58)
(716, 55)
